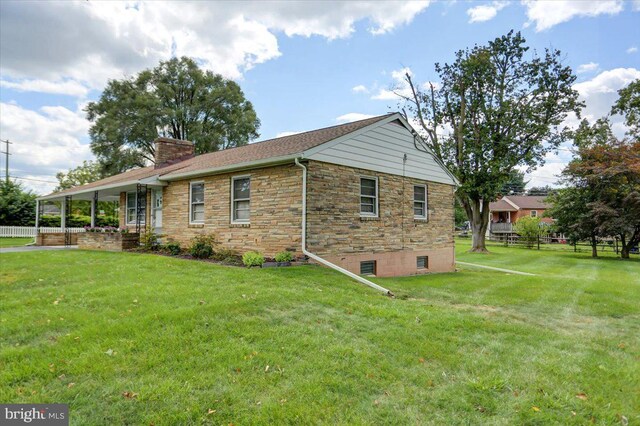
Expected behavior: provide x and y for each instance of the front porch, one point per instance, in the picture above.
(139, 204)
(500, 222)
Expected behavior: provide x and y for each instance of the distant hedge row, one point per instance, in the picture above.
(78, 221)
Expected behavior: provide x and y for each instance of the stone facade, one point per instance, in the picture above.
(335, 229)
(109, 241)
(54, 239)
(394, 239)
(275, 216)
(170, 150)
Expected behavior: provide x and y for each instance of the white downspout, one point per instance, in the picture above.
(318, 258)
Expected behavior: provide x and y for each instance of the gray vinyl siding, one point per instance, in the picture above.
(381, 149)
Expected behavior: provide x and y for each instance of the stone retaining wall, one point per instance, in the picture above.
(54, 239)
(108, 241)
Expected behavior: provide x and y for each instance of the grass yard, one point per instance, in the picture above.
(14, 242)
(143, 339)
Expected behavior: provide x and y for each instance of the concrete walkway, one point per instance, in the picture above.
(509, 271)
(35, 248)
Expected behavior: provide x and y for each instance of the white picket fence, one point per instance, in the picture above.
(30, 231)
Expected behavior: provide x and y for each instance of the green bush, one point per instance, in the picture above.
(173, 248)
(149, 239)
(225, 255)
(530, 229)
(284, 256)
(202, 246)
(252, 258)
(77, 221)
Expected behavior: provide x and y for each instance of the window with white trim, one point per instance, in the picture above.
(196, 202)
(132, 208)
(419, 201)
(534, 213)
(368, 196)
(240, 199)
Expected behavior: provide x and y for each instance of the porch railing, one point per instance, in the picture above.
(30, 231)
(501, 227)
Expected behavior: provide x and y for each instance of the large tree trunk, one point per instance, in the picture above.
(594, 246)
(478, 214)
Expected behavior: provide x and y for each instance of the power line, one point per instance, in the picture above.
(35, 180)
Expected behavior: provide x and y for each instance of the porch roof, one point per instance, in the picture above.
(501, 206)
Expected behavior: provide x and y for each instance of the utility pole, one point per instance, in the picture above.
(6, 163)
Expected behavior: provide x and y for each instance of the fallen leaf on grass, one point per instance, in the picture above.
(70, 385)
(202, 302)
(534, 408)
(582, 396)
(109, 352)
(421, 360)
(266, 369)
(129, 395)
(481, 408)
(210, 411)
(376, 402)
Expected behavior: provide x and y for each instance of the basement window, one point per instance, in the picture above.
(368, 267)
(422, 262)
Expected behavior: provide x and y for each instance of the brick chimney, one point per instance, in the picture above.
(169, 151)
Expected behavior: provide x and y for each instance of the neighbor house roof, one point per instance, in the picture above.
(508, 202)
(269, 149)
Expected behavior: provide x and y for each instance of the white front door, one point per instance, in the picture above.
(156, 217)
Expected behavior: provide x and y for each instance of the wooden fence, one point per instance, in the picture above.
(30, 231)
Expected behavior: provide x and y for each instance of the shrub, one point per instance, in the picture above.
(225, 255)
(202, 246)
(174, 248)
(149, 239)
(77, 221)
(530, 229)
(284, 256)
(252, 258)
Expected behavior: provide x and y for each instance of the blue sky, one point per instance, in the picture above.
(303, 65)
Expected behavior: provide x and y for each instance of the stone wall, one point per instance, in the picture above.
(275, 217)
(55, 239)
(109, 241)
(394, 239)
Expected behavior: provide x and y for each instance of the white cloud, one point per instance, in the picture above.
(486, 12)
(601, 92)
(546, 14)
(353, 116)
(636, 5)
(590, 67)
(632, 49)
(360, 89)
(70, 87)
(399, 87)
(111, 39)
(44, 142)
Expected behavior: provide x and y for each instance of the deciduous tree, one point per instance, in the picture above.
(505, 110)
(176, 99)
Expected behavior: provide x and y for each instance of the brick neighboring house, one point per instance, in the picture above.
(510, 208)
(375, 202)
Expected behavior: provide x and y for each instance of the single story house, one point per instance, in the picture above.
(362, 195)
(506, 211)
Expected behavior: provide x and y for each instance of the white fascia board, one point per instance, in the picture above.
(84, 191)
(152, 181)
(265, 162)
(515, 206)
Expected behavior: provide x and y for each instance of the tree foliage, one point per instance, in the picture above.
(176, 99)
(505, 110)
(572, 215)
(515, 185)
(530, 229)
(17, 205)
(628, 105)
(88, 172)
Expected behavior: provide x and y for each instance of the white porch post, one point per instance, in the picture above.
(37, 215)
(63, 215)
(93, 212)
(509, 219)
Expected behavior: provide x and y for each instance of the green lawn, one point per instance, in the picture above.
(144, 339)
(14, 242)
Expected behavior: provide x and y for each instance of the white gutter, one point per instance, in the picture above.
(318, 258)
